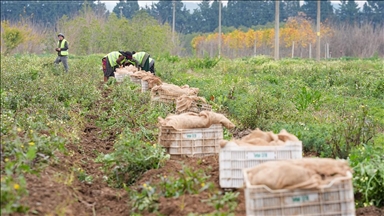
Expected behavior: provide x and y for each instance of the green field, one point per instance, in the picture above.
(77, 137)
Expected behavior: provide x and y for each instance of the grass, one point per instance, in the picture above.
(334, 107)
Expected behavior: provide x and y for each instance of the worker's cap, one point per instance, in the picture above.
(127, 54)
(60, 34)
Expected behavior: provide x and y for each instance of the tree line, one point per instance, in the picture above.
(243, 14)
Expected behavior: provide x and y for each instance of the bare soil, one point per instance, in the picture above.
(369, 211)
(58, 191)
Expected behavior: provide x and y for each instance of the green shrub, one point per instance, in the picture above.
(368, 179)
(188, 181)
(205, 63)
(131, 158)
(41, 112)
(355, 128)
(168, 58)
(226, 202)
(12, 36)
(305, 98)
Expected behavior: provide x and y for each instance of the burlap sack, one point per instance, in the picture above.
(285, 136)
(131, 68)
(252, 143)
(277, 175)
(184, 102)
(152, 81)
(324, 166)
(303, 173)
(255, 136)
(174, 90)
(141, 74)
(260, 138)
(255, 141)
(122, 71)
(191, 120)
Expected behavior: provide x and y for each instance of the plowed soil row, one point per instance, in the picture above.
(57, 190)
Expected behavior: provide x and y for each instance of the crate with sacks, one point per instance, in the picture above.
(147, 80)
(308, 186)
(191, 134)
(122, 73)
(168, 93)
(194, 104)
(253, 149)
(137, 76)
(131, 68)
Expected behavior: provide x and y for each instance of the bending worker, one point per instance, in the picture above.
(143, 60)
(114, 60)
(152, 65)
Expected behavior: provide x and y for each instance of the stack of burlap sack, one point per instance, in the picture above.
(149, 77)
(126, 70)
(173, 90)
(122, 71)
(131, 68)
(306, 173)
(185, 102)
(190, 120)
(261, 138)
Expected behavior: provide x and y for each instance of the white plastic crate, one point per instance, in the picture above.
(336, 198)
(234, 158)
(166, 97)
(144, 86)
(163, 99)
(135, 80)
(120, 77)
(198, 142)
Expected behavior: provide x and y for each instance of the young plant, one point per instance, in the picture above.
(131, 158)
(143, 199)
(368, 178)
(205, 63)
(226, 202)
(357, 128)
(83, 176)
(305, 98)
(188, 181)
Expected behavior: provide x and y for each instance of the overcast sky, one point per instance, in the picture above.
(111, 4)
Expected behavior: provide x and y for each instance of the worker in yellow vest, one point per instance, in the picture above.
(114, 60)
(152, 65)
(62, 51)
(135, 62)
(143, 60)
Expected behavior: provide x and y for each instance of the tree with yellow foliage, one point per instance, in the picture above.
(12, 36)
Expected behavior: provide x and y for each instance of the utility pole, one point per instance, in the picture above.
(318, 32)
(121, 11)
(173, 22)
(219, 28)
(277, 20)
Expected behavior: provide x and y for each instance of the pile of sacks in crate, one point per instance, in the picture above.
(261, 138)
(306, 173)
(185, 97)
(191, 120)
(270, 167)
(137, 76)
(277, 180)
(193, 134)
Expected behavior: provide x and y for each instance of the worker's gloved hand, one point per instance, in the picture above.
(121, 66)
